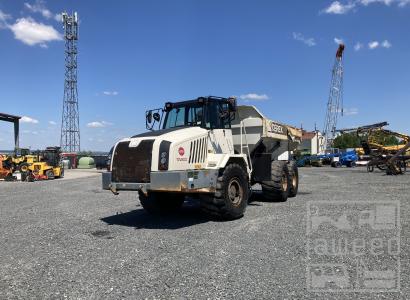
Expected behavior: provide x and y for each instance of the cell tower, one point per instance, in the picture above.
(335, 102)
(70, 129)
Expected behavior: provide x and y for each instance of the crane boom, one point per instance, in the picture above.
(335, 102)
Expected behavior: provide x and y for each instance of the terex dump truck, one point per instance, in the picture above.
(208, 147)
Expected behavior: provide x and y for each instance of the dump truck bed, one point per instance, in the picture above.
(258, 128)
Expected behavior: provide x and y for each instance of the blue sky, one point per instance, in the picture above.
(135, 55)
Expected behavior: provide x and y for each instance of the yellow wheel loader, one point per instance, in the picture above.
(47, 166)
(22, 159)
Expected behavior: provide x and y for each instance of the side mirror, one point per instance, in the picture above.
(148, 117)
(232, 104)
(152, 117)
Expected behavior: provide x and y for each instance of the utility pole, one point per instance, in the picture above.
(70, 122)
(335, 102)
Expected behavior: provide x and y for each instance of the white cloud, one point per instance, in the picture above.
(98, 124)
(30, 132)
(338, 8)
(110, 93)
(403, 3)
(358, 46)
(373, 45)
(32, 33)
(338, 41)
(40, 7)
(386, 44)
(52, 123)
(254, 97)
(58, 17)
(350, 111)
(4, 16)
(367, 2)
(307, 41)
(26, 119)
(3, 19)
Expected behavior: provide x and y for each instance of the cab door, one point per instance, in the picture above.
(220, 134)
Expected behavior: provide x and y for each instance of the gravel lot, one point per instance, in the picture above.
(69, 239)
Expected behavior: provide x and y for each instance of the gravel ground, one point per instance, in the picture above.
(69, 239)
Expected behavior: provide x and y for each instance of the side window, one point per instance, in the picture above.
(218, 116)
(225, 116)
(175, 118)
(195, 116)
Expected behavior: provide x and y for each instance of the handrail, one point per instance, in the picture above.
(243, 130)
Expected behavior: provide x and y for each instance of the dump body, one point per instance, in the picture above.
(257, 129)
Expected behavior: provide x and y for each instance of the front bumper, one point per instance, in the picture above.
(189, 181)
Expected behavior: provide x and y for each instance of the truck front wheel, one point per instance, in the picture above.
(231, 195)
(161, 203)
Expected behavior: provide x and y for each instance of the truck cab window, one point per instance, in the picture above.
(184, 115)
(195, 116)
(175, 117)
(218, 115)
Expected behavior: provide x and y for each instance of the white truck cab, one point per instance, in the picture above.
(207, 147)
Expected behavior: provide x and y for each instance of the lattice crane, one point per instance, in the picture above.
(335, 102)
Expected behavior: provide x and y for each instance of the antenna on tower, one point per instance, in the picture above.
(335, 102)
(70, 122)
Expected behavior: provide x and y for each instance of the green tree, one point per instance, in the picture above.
(347, 140)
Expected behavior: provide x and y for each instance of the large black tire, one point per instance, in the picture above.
(336, 164)
(293, 178)
(277, 189)
(50, 174)
(23, 167)
(351, 164)
(161, 203)
(231, 195)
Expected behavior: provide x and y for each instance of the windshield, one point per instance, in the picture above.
(184, 115)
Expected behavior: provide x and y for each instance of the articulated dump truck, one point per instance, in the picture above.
(208, 148)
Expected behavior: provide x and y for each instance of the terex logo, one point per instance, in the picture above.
(276, 128)
(181, 151)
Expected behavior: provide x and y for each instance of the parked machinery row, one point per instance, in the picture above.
(27, 166)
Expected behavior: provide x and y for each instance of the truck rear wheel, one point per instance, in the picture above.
(277, 189)
(161, 203)
(231, 196)
(293, 178)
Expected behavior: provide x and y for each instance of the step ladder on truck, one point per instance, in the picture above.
(209, 148)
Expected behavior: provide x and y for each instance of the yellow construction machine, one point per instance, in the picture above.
(39, 165)
(6, 167)
(47, 165)
(392, 159)
(22, 159)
